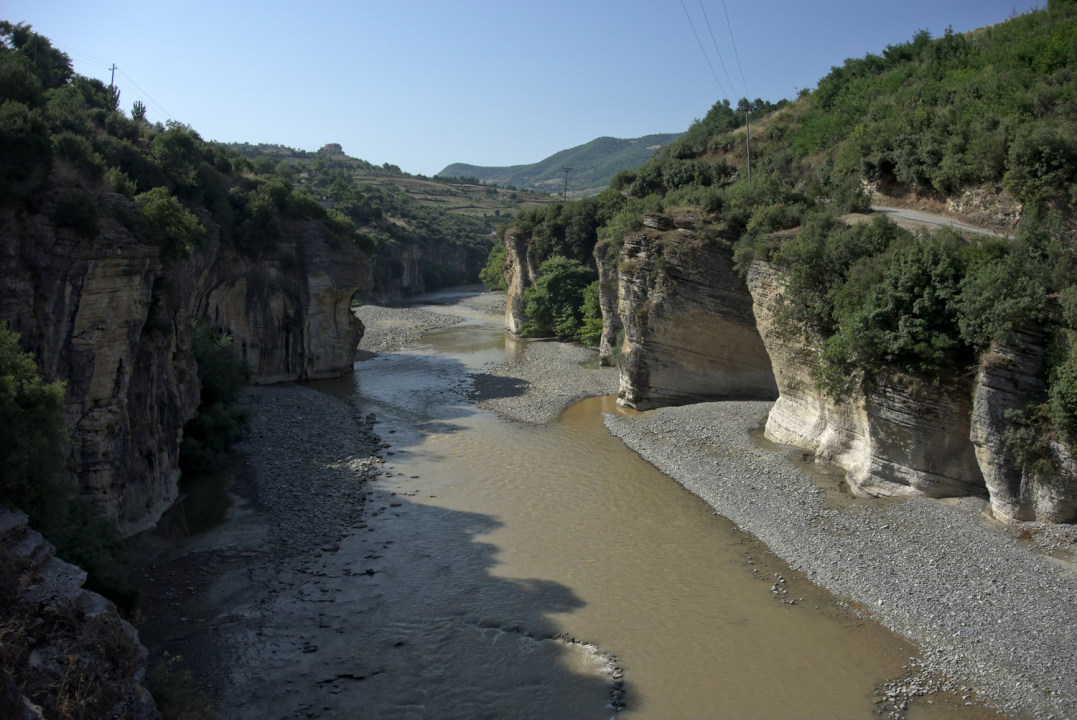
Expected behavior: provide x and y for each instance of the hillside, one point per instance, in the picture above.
(424, 233)
(592, 165)
(857, 312)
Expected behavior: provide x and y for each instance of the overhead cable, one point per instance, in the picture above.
(702, 49)
(735, 53)
(713, 40)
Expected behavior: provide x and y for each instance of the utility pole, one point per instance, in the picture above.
(564, 193)
(112, 81)
(748, 145)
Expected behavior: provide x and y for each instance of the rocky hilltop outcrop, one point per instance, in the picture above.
(114, 321)
(689, 332)
(67, 653)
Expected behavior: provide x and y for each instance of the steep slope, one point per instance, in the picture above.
(873, 330)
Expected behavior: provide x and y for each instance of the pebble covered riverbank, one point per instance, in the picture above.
(988, 605)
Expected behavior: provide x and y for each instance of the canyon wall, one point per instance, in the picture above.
(895, 437)
(689, 332)
(115, 322)
(1008, 379)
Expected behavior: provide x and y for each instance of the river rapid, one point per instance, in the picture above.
(497, 569)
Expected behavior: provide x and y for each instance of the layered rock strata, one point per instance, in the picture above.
(689, 332)
(115, 322)
(895, 437)
(520, 273)
(609, 345)
(1007, 381)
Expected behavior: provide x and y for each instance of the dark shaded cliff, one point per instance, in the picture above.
(114, 321)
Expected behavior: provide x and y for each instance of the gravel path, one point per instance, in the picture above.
(988, 605)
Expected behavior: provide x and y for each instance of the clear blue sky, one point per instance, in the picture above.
(425, 83)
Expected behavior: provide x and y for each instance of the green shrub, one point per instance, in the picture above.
(493, 274)
(221, 419)
(25, 150)
(164, 222)
(76, 209)
(119, 182)
(31, 432)
(31, 456)
(555, 303)
(590, 332)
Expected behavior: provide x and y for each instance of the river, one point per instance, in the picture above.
(506, 570)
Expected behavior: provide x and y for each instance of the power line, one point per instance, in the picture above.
(735, 53)
(713, 40)
(88, 59)
(147, 95)
(701, 48)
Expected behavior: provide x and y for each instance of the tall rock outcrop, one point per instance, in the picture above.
(112, 320)
(520, 273)
(1007, 381)
(609, 344)
(894, 438)
(689, 332)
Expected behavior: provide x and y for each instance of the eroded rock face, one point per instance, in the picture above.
(114, 322)
(71, 652)
(896, 438)
(1008, 379)
(610, 342)
(290, 316)
(520, 272)
(689, 332)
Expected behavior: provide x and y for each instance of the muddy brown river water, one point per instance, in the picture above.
(506, 570)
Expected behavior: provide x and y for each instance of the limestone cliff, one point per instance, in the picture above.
(689, 333)
(610, 342)
(1008, 379)
(67, 653)
(112, 320)
(894, 438)
(520, 272)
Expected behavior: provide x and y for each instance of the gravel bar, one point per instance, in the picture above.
(542, 381)
(989, 605)
(390, 328)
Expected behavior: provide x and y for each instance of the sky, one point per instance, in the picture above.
(422, 84)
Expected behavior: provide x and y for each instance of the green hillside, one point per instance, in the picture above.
(592, 166)
(990, 114)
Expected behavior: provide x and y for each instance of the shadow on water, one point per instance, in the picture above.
(406, 616)
(407, 619)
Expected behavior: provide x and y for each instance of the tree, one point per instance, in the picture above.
(167, 224)
(31, 432)
(555, 303)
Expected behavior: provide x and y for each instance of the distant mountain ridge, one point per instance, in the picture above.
(592, 165)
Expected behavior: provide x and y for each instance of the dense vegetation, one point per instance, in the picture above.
(31, 458)
(994, 109)
(592, 165)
